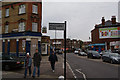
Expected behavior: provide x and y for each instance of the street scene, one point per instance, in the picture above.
(59, 40)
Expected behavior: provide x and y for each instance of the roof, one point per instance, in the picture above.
(108, 23)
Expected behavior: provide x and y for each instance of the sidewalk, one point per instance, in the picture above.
(45, 70)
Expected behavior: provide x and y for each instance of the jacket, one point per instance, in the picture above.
(29, 62)
(37, 59)
(53, 58)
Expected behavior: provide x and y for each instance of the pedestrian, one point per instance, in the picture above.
(53, 58)
(36, 62)
(27, 64)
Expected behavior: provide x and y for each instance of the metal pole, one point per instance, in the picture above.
(65, 52)
(55, 41)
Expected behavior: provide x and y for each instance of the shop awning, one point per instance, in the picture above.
(103, 44)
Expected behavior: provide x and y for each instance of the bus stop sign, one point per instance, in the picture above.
(56, 26)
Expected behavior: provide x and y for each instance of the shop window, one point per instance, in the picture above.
(35, 9)
(6, 28)
(34, 27)
(7, 12)
(21, 26)
(21, 9)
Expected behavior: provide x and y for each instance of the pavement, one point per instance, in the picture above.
(45, 71)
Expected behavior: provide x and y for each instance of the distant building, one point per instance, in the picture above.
(45, 45)
(85, 44)
(70, 44)
(21, 27)
(106, 35)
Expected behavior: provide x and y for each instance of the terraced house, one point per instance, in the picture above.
(21, 27)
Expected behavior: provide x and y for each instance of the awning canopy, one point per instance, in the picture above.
(101, 44)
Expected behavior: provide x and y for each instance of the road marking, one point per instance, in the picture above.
(71, 70)
(69, 67)
(84, 76)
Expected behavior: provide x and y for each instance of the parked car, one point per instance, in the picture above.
(105, 51)
(60, 52)
(93, 54)
(76, 52)
(10, 62)
(82, 54)
(111, 57)
(116, 51)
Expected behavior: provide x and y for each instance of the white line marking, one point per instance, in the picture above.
(79, 70)
(63, 65)
(71, 70)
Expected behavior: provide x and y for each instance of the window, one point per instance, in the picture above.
(7, 12)
(6, 28)
(0, 14)
(35, 9)
(34, 27)
(21, 9)
(21, 26)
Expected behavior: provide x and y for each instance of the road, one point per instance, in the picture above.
(92, 68)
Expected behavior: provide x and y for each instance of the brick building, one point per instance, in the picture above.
(21, 27)
(104, 34)
(70, 44)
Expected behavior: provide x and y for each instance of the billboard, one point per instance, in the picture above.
(113, 32)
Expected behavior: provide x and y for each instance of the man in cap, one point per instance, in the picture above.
(27, 64)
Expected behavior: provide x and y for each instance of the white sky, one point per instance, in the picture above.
(80, 16)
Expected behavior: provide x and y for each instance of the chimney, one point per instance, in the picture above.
(113, 19)
(103, 21)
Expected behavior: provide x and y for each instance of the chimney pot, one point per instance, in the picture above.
(113, 19)
(103, 21)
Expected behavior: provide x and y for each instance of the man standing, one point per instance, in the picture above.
(53, 58)
(36, 62)
(27, 64)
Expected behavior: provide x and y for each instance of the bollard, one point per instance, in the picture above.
(61, 78)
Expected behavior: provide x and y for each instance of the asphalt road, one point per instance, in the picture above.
(92, 68)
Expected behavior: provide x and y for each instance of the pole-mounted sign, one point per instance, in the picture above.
(60, 26)
(56, 26)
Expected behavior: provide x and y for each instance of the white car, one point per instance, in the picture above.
(76, 52)
(82, 54)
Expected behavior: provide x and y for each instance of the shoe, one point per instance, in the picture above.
(53, 71)
(38, 76)
(24, 76)
(33, 76)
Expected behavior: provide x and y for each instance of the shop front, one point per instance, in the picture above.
(97, 47)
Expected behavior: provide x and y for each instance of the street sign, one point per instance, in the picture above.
(56, 26)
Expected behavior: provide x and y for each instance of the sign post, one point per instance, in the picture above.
(65, 52)
(60, 26)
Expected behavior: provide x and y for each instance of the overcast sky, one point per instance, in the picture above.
(80, 16)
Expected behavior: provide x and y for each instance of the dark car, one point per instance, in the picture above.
(105, 51)
(111, 57)
(59, 51)
(10, 62)
(116, 51)
(93, 54)
(82, 54)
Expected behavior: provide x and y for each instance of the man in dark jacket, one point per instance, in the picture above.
(36, 62)
(53, 58)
